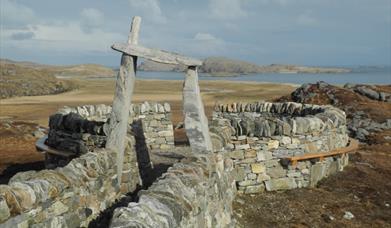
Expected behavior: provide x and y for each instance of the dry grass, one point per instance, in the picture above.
(38, 108)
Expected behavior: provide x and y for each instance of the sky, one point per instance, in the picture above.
(304, 32)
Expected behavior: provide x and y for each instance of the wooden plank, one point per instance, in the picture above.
(41, 146)
(353, 145)
(156, 55)
(124, 86)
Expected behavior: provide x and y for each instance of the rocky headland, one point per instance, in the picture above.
(221, 66)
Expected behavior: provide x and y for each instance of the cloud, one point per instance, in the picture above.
(204, 36)
(306, 19)
(22, 35)
(149, 9)
(91, 19)
(14, 15)
(226, 9)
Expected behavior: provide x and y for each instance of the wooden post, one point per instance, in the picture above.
(123, 93)
(196, 123)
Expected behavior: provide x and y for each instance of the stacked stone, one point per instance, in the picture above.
(197, 192)
(265, 133)
(154, 121)
(74, 133)
(83, 128)
(70, 196)
(98, 112)
(289, 118)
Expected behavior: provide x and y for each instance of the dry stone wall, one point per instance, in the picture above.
(69, 196)
(197, 192)
(264, 133)
(84, 128)
(250, 142)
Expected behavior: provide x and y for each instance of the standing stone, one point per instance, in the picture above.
(196, 123)
(123, 93)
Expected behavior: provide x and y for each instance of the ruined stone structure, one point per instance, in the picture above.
(245, 148)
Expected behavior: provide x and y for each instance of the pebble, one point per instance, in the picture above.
(348, 215)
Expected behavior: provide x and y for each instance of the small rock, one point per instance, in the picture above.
(258, 168)
(348, 215)
(327, 218)
(273, 144)
(242, 147)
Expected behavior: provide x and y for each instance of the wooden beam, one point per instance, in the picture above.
(353, 146)
(124, 86)
(156, 55)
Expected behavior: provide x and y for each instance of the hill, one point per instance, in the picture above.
(221, 66)
(27, 79)
(84, 70)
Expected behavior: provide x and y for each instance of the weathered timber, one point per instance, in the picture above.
(118, 126)
(353, 146)
(156, 55)
(196, 123)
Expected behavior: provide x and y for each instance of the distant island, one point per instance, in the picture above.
(221, 66)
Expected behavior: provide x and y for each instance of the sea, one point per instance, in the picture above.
(359, 75)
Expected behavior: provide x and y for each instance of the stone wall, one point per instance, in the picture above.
(197, 192)
(69, 196)
(263, 134)
(154, 121)
(84, 128)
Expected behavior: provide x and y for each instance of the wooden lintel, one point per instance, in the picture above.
(353, 146)
(156, 55)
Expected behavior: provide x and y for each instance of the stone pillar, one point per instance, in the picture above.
(118, 127)
(196, 123)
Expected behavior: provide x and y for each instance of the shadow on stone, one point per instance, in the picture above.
(16, 168)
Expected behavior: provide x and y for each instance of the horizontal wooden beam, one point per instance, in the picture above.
(156, 55)
(353, 146)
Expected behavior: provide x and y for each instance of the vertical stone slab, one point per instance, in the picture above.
(122, 97)
(196, 123)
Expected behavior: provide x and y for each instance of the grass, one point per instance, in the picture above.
(19, 80)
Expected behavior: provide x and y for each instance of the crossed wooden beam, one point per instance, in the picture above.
(196, 123)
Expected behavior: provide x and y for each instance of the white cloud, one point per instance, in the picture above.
(13, 14)
(149, 9)
(22, 29)
(226, 9)
(91, 19)
(59, 37)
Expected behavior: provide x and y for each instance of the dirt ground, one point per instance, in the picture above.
(363, 189)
